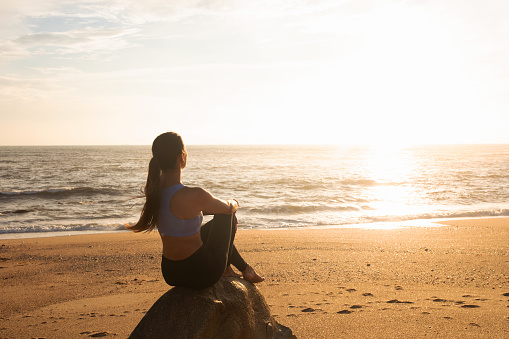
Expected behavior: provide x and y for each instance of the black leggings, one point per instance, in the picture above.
(205, 266)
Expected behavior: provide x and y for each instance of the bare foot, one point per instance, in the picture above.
(250, 275)
(228, 272)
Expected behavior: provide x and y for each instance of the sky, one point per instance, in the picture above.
(387, 72)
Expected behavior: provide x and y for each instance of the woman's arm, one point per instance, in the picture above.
(212, 205)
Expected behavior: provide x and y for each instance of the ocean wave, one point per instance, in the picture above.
(368, 183)
(301, 184)
(473, 214)
(359, 182)
(261, 220)
(59, 192)
(299, 209)
(442, 215)
(64, 228)
(17, 211)
(280, 217)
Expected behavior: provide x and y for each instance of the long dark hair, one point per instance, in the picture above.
(166, 149)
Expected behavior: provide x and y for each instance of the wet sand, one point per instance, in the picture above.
(450, 281)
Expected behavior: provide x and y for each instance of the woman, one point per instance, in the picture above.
(193, 255)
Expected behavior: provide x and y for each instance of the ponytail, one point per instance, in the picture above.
(166, 149)
(150, 212)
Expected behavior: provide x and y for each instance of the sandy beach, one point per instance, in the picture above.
(450, 281)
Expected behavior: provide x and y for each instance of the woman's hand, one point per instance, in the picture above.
(234, 205)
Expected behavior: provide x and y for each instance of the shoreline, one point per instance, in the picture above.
(375, 225)
(445, 281)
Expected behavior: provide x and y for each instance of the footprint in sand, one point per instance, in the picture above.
(395, 301)
(344, 312)
(309, 309)
(367, 294)
(470, 306)
(351, 290)
(439, 300)
(97, 334)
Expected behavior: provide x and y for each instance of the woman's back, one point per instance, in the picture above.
(179, 222)
(177, 216)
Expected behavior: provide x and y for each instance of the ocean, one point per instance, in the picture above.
(48, 190)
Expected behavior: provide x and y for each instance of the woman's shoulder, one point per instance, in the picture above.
(194, 191)
(197, 194)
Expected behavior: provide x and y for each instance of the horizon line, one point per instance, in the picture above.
(275, 144)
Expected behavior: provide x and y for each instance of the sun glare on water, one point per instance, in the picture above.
(392, 168)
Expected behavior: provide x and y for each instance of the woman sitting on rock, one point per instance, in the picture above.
(193, 255)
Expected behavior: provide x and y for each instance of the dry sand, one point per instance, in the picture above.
(444, 282)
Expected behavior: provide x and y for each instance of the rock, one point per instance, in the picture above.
(232, 308)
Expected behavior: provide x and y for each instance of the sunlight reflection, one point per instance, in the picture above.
(388, 165)
(392, 170)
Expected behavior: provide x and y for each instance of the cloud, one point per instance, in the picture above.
(13, 88)
(100, 28)
(91, 28)
(10, 49)
(87, 41)
(58, 70)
